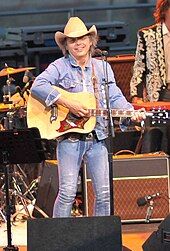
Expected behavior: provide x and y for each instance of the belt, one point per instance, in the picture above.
(81, 136)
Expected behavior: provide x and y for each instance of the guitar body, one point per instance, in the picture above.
(38, 115)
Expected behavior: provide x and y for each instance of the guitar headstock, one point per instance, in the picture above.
(159, 116)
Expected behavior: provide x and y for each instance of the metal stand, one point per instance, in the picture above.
(8, 209)
(7, 96)
(18, 146)
(149, 211)
(2, 216)
(111, 131)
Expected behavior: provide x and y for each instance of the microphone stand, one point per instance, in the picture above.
(110, 129)
(149, 211)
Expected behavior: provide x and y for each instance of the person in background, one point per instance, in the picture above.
(151, 72)
(76, 72)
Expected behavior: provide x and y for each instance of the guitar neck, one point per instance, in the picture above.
(115, 112)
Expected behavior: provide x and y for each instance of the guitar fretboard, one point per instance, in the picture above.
(114, 112)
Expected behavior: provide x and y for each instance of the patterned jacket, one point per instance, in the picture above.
(149, 67)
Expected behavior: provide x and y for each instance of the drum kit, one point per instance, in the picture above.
(13, 116)
(14, 106)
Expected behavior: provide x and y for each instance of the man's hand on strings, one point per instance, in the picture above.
(74, 107)
(139, 115)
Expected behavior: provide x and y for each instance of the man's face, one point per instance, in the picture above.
(79, 47)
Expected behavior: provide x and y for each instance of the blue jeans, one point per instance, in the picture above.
(70, 153)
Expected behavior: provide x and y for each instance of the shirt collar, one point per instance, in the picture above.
(165, 30)
(74, 63)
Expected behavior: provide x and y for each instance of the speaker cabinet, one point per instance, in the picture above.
(47, 188)
(75, 234)
(122, 66)
(136, 176)
(159, 240)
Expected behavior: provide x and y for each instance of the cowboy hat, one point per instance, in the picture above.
(74, 28)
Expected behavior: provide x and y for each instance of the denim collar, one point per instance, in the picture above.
(74, 63)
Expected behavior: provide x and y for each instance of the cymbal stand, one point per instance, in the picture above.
(7, 97)
(17, 191)
(23, 194)
(2, 215)
(25, 197)
(22, 176)
(31, 203)
(17, 183)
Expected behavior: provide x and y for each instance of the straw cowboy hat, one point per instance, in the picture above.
(74, 28)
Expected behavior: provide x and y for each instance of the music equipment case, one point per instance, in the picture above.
(136, 176)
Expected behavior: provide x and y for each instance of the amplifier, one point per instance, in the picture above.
(122, 66)
(136, 176)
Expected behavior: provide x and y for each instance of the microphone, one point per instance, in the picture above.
(99, 52)
(144, 200)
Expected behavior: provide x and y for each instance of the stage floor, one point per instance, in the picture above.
(133, 235)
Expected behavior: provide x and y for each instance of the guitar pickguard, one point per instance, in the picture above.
(72, 121)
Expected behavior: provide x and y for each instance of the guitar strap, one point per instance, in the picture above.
(95, 86)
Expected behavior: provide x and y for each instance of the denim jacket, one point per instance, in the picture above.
(65, 73)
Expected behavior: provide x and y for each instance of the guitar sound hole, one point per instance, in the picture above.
(72, 116)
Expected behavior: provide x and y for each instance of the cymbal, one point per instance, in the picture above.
(9, 70)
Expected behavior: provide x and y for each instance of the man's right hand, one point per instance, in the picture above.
(74, 106)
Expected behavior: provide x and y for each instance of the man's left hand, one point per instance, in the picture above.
(139, 115)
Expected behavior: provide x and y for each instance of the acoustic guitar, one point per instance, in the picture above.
(55, 121)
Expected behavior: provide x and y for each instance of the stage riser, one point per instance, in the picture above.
(135, 178)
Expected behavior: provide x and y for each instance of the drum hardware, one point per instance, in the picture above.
(14, 119)
(7, 96)
(9, 121)
(2, 215)
(7, 71)
(17, 184)
(22, 195)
